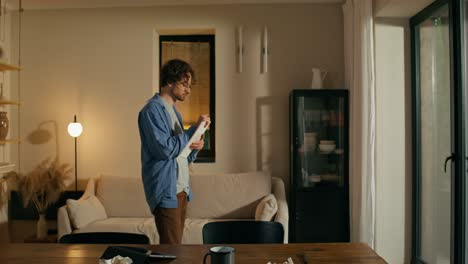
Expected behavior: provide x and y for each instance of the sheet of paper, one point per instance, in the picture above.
(196, 136)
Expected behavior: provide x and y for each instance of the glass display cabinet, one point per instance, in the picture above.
(319, 166)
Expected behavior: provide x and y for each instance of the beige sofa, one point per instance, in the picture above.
(216, 197)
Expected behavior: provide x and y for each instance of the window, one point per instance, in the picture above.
(198, 51)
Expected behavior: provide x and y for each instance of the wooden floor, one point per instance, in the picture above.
(279, 253)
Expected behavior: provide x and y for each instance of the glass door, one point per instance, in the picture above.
(433, 135)
(462, 66)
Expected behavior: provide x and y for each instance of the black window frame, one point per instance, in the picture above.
(458, 156)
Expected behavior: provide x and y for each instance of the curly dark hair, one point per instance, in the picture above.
(175, 70)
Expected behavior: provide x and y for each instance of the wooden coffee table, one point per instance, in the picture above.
(47, 239)
(260, 253)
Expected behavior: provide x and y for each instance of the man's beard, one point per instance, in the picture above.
(180, 98)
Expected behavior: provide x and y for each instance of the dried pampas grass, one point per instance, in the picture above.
(43, 185)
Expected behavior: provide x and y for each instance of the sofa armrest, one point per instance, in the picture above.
(64, 226)
(282, 216)
(63, 222)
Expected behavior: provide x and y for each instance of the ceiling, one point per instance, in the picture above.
(399, 8)
(382, 8)
(61, 4)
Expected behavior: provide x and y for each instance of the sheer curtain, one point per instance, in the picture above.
(359, 78)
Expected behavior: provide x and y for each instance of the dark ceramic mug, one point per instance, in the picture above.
(220, 255)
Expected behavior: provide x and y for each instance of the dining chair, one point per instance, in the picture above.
(243, 232)
(104, 238)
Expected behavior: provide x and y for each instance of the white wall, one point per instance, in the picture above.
(98, 63)
(393, 144)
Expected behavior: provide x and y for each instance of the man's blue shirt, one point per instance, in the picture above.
(159, 150)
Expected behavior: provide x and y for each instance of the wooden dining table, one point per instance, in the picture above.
(244, 253)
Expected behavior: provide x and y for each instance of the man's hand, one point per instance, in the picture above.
(205, 118)
(198, 145)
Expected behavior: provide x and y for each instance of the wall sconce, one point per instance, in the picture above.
(265, 50)
(75, 129)
(239, 49)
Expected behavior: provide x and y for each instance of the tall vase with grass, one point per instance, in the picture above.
(42, 187)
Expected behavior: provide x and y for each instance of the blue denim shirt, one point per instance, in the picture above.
(159, 150)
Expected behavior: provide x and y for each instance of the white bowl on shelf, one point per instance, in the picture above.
(314, 178)
(330, 177)
(339, 151)
(327, 148)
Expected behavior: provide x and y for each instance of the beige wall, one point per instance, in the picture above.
(99, 64)
(393, 140)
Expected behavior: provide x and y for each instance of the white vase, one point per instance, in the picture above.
(317, 78)
(41, 227)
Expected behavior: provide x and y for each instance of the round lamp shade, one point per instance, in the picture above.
(75, 129)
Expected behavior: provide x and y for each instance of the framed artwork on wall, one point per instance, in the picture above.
(199, 52)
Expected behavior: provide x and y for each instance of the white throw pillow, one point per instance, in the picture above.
(266, 209)
(85, 211)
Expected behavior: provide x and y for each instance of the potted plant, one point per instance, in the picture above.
(42, 187)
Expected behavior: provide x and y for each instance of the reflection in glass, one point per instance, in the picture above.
(434, 48)
(321, 136)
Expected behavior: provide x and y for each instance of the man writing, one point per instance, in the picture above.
(165, 174)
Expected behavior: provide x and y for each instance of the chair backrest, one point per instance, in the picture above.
(243, 232)
(104, 238)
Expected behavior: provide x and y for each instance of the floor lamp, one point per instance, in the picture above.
(75, 129)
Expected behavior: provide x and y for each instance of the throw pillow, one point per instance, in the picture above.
(85, 211)
(266, 209)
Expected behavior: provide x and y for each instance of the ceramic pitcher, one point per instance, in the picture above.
(317, 78)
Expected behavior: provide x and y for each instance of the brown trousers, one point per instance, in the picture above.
(170, 221)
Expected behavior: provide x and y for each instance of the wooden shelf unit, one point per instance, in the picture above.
(8, 67)
(9, 141)
(9, 102)
(6, 167)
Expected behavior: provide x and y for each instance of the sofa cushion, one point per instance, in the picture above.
(228, 196)
(85, 210)
(122, 196)
(138, 225)
(266, 209)
(193, 229)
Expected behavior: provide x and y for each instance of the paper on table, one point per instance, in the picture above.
(196, 136)
(289, 261)
(116, 260)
